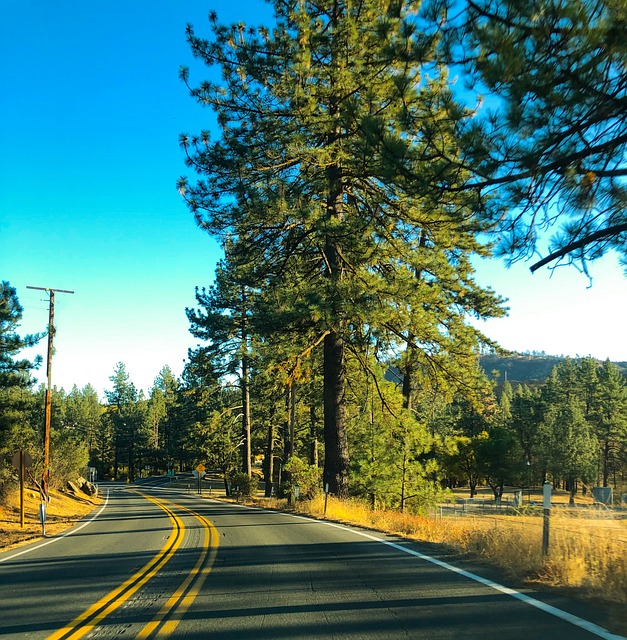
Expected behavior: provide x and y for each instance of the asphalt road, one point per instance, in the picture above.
(161, 563)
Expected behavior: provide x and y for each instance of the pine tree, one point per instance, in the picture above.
(17, 430)
(123, 399)
(83, 416)
(161, 416)
(526, 415)
(222, 318)
(568, 447)
(337, 129)
(610, 421)
(13, 372)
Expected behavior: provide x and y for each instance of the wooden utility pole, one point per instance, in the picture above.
(48, 402)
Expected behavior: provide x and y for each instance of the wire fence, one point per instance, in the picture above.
(598, 521)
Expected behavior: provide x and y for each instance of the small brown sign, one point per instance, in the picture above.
(28, 461)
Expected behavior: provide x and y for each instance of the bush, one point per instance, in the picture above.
(306, 476)
(242, 485)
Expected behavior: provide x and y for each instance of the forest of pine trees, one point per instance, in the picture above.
(571, 429)
(351, 184)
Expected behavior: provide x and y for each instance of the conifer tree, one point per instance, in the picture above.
(122, 398)
(223, 318)
(525, 417)
(16, 429)
(609, 420)
(161, 415)
(337, 129)
(568, 448)
(13, 372)
(83, 416)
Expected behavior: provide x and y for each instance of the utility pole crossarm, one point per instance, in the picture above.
(49, 289)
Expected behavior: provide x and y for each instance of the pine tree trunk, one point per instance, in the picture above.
(313, 451)
(335, 444)
(246, 449)
(288, 438)
(268, 466)
(408, 380)
(116, 460)
(403, 480)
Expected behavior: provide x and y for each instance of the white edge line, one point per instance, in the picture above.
(547, 608)
(70, 532)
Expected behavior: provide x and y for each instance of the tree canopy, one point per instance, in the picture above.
(13, 372)
(552, 145)
(331, 178)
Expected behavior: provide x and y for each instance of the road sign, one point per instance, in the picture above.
(200, 468)
(28, 461)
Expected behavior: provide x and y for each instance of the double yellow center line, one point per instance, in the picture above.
(173, 610)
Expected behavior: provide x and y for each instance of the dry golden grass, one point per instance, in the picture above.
(62, 512)
(585, 553)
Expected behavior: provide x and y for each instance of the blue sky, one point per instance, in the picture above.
(90, 115)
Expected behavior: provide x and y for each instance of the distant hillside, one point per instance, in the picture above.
(525, 368)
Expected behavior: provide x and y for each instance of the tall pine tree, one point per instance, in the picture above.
(336, 133)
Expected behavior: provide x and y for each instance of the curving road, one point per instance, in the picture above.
(161, 563)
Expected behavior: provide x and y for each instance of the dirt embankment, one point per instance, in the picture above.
(63, 510)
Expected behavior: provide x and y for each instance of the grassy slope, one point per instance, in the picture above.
(63, 511)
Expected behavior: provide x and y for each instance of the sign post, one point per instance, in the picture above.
(22, 460)
(42, 517)
(200, 472)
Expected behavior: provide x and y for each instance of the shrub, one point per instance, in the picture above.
(242, 485)
(306, 476)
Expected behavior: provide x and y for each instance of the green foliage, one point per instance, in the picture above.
(570, 430)
(13, 373)
(222, 319)
(609, 420)
(124, 392)
(69, 455)
(331, 187)
(217, 440)
(164, 420)
(556, 71)
(461, 461)
(17, 428)
(392, 452)
(306, 476)
(569, 446)
(499, 459)
(131, 430)
(82, 416)
(243, 485)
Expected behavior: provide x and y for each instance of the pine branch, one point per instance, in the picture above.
(612, 231)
